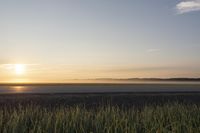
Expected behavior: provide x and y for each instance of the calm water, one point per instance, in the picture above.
(100, 88)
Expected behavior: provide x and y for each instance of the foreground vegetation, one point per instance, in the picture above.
(105, 119)
(100, 113)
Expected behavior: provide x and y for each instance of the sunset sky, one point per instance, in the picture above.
(59, 40)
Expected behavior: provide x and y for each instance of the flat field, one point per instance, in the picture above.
(100, 113)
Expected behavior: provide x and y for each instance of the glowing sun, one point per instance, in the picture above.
(19, 69)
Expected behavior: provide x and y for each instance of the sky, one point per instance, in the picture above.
(59, 40)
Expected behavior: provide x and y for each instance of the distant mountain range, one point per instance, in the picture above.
(111, 80)
(152, 79)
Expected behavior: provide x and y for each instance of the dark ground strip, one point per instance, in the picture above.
(91, 100)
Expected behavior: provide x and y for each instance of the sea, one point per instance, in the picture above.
(101, 87)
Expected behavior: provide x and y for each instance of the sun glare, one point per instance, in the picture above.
(20, 69)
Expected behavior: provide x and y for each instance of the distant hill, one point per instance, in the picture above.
(110, 80)
(152, 79)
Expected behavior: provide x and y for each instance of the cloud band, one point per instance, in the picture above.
(188, 6)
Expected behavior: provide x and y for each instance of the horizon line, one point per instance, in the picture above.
(109, 81)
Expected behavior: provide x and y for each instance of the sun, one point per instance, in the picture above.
(19, 69)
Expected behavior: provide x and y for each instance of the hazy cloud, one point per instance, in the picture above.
(11, 66)
(188, 6)
(153, 50)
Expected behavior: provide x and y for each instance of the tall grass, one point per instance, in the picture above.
(176, 117)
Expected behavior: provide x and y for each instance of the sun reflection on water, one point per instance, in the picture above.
(18, 89)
